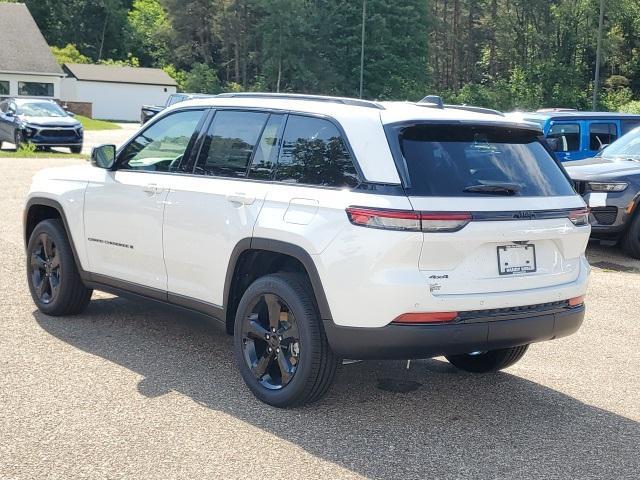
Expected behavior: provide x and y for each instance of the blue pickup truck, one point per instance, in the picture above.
(576, 135)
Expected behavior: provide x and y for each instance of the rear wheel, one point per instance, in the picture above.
(631, 239)
(279, 342)
(489, 361)
(54, 281)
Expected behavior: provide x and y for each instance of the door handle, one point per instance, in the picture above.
(152, 189)
(240, 199)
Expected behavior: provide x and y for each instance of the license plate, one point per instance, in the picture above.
(516, 259)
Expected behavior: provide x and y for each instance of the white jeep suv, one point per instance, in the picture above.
(321, 228)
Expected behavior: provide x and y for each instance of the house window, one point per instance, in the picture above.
(4, 87)
(35, 89)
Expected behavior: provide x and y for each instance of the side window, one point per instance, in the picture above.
(568, 135)
(628, 125)
(266, 155)
(3, 106)
(230, 141)
(160, 147)
(314, 153)
(4, 87)
(601, 134)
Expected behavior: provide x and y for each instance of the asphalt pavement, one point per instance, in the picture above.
(136, 390)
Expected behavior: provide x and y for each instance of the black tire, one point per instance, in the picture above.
(18, 140)
(314, 367)
(76, 149)
(631, 239)
(50, 259)
(490, 361)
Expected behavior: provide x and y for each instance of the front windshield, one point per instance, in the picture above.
(40, 109)
(626, 147)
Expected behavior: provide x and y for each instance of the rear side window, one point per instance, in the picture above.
(601, 134)
(229, 144)
(628, 125)
(314, 153)
(266, 156)
(460, 161)
(568, 135)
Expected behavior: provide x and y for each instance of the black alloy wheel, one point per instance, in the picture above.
(45, 269)
(18, 139)
(271, 341)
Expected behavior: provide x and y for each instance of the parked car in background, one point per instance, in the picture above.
(147, 112)
(575, 135)
(39, 121)
(610, 184)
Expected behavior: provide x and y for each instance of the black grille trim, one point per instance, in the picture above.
(605, 215)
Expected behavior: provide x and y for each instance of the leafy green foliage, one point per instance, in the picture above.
(504, 54)
(69, 54)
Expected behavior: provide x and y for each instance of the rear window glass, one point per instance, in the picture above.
(454, 160)
(601, 135)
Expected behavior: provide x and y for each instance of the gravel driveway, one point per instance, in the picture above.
(136, 390)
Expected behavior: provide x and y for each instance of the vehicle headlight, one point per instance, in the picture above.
(608, 186)
(29, 131)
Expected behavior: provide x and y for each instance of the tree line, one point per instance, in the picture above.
(502, 54)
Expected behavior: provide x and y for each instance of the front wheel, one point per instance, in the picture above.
(489, 361)
(54, 281)
(18, 139)
(279, 342)
(76, 149)
(631, 239)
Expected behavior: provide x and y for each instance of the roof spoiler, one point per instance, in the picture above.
(434, 101)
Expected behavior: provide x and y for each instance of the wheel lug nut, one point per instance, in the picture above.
(273, 330)
(280, 338)
(268, 336)
(277, 350)
(270, 349)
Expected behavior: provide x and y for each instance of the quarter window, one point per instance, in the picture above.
(314, 153)
(4, 87)
(628, 125)
(601, 134)
(568, 135)
(230, 142)
(35, 89)
(160, 147)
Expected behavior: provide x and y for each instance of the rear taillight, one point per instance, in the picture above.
(579, 217)
(408, 220)
(425, 317)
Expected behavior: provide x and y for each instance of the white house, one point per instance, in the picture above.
(117, 93)
(27, 66)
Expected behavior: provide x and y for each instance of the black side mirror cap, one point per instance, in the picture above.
(104, 156)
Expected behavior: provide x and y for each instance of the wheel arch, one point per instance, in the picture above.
(268, 256)
(39, 209)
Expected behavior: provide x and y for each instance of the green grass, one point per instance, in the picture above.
(28, 153)
(91, 124)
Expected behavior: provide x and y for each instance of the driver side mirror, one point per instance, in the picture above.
(10, 113)
(104, 156)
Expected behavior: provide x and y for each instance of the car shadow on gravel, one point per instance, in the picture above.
(379, 419)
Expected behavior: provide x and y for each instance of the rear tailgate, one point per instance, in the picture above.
(522, 226)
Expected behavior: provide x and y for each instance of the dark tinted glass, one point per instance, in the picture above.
(267, 149)
(160, 147)
(601, 134)
(230, 142)
(568, 135)
(313, 152)
(628, 125)
(4, 87)
(446, 160)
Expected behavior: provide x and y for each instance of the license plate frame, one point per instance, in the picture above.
(506, 253)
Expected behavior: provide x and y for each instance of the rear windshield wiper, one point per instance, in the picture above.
(495, 188)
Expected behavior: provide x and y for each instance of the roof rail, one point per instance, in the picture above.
(315, 98)
(432, 101)
(471, 108)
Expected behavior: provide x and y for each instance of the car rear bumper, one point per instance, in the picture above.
(489, 332)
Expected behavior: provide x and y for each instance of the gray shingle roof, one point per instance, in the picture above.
(114, 74)
(22, 46)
